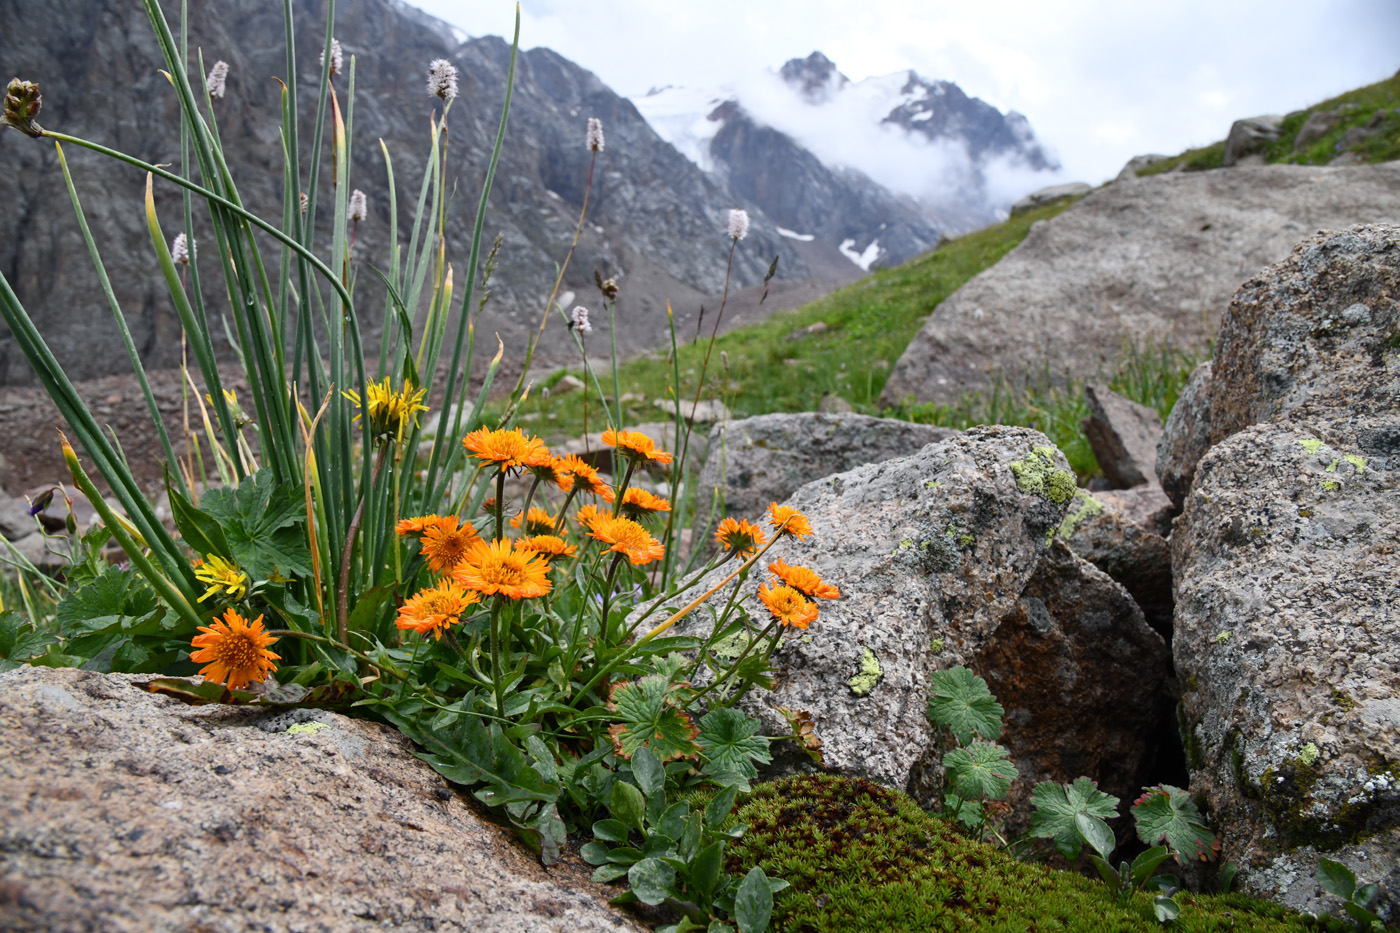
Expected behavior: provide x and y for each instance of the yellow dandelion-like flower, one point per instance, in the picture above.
(803, 579)
(549, 546)
(498, 568)
(539, 522)
(738, 536)
(585, 476)
(506, 449)
(432, 610)
(788, 521)
(637, 502)
(234, 651)
(446, 543)
(627, 537)
(788, 606)
(225, 578)
(391, 413)
(636, 446)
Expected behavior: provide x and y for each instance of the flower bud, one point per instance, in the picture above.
(442, 79)
(22, 104)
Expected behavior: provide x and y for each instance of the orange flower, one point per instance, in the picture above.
(637, 501)
(432, 610)
(788, 606)
(589, 514)
(496, 568)
(739, 536)
(489, 506)
(585, 476)
(551, 469)
(797, 524)
(549, 546)
(234, 651)
(806, 581)
(446, 542)
(506, 449)
(635, 445)
(539, 522)
(627, 537)
(416, 526)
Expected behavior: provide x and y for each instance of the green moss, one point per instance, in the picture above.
(1344, 702)
(869, 675)
(862, 857)
(1036, 475)
(1190, 741)
(1308, 756)
(1287, 796)
(938, 645)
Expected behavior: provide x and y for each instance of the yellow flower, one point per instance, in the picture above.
(506, 449)
(549, 546)
(636, 501)
(635, 445)
(434, 609)
(234, 651)
(626, 537)
(788, 521)
(391, 413)
(803, 579)
(739, 536)
(539, 522)
(224, 578)
(518, 573)
(788, 606)
(446, 542)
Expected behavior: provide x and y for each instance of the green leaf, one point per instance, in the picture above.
(980, 770)
(1095, 832)
(1368, 920)
(118, 600)
(647, 769)
(1365, 895)
(728, 743)
(610, 830)
(594, 853)
(959, 700)
(652, 880)
(652, 718)
(607, 873)
(1166, 813)
(362, 616)
(753, 904)
(1227, 876)
(199, 529)
(968, 812)
(1146, 863)
(1335, 878)
(1055, 809)
(1166, 909)
(705, 870)
(628, 805)
(263, 524)
(719, 806)
(18, 642)
(673, 822)
(1106, 872)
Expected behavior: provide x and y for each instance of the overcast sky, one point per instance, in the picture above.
(1099, 80)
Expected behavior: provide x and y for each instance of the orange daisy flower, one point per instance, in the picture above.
(739, 536)
(627, 537)
(589, 514)
(432, 610)
(788, 606)
(636, 501)
(586, 476)
(518, 573)
(506, 449)
(797, 524)
(805, 580)
(635, 445)
(446, 542)
(416, 526)
(550, 469)
(539, 521)
(549, 546)
(234, 651)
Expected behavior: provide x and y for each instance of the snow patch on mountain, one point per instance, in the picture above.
(865, 258)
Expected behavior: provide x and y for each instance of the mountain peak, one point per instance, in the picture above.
(815, 77)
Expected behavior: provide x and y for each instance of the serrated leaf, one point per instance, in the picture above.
(1055, 809)
(651, 718)
(968, 812)
(1166, 814)
(19, 642)
(262, 523)
(753, 902)
(728, 743)
(200, 530)
(118, 600)
(1335, 878)
(979, 770)
(960, 701)
(652, 880)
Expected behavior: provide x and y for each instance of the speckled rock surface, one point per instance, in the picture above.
(1154, 258)
(1185, 437)
(1118, 531)
(1123, 435)
(1317, 333)
(1286, 563)
(755, 461)
(932, 554)
(126, 810)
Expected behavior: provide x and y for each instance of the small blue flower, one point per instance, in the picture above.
(40, 502)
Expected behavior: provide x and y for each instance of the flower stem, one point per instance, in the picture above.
(737, 661)
(342, 607)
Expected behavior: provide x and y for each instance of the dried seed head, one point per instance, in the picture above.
(609, 289)
(595, 134)
(359, 208)
(181, 249)
(578, 320)
(218, 78)
(304, 202)
(22, 104)
(442, 79)
(738, 224)
(337, 58)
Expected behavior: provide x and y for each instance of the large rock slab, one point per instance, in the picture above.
(126, 810)
(1144, 259)
(1185, 437)
(1123, 436)
(755, 461)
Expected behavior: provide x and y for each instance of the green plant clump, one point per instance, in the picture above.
(862, 857)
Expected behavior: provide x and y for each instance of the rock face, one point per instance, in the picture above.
(657, 221)
(1185, 437)
(755, 461)
(945, 558)
(1123, 533)
(1050, 195)
(1251, 135)
(131, 811)
(1123, 436)
(1284, 560)
(1147, 259)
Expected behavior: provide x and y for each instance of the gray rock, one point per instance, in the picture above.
(834, 405)
(755, 461)
(662, 434)
(1123, 436)
(1050, 195)
(1318, 124)
(1287, 645)
(1186, 436)
(706, 411)
(1122, 533)
(566, 384)
(1251, 135)
(133, 811)
(1137, 163)
(1155, 260)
